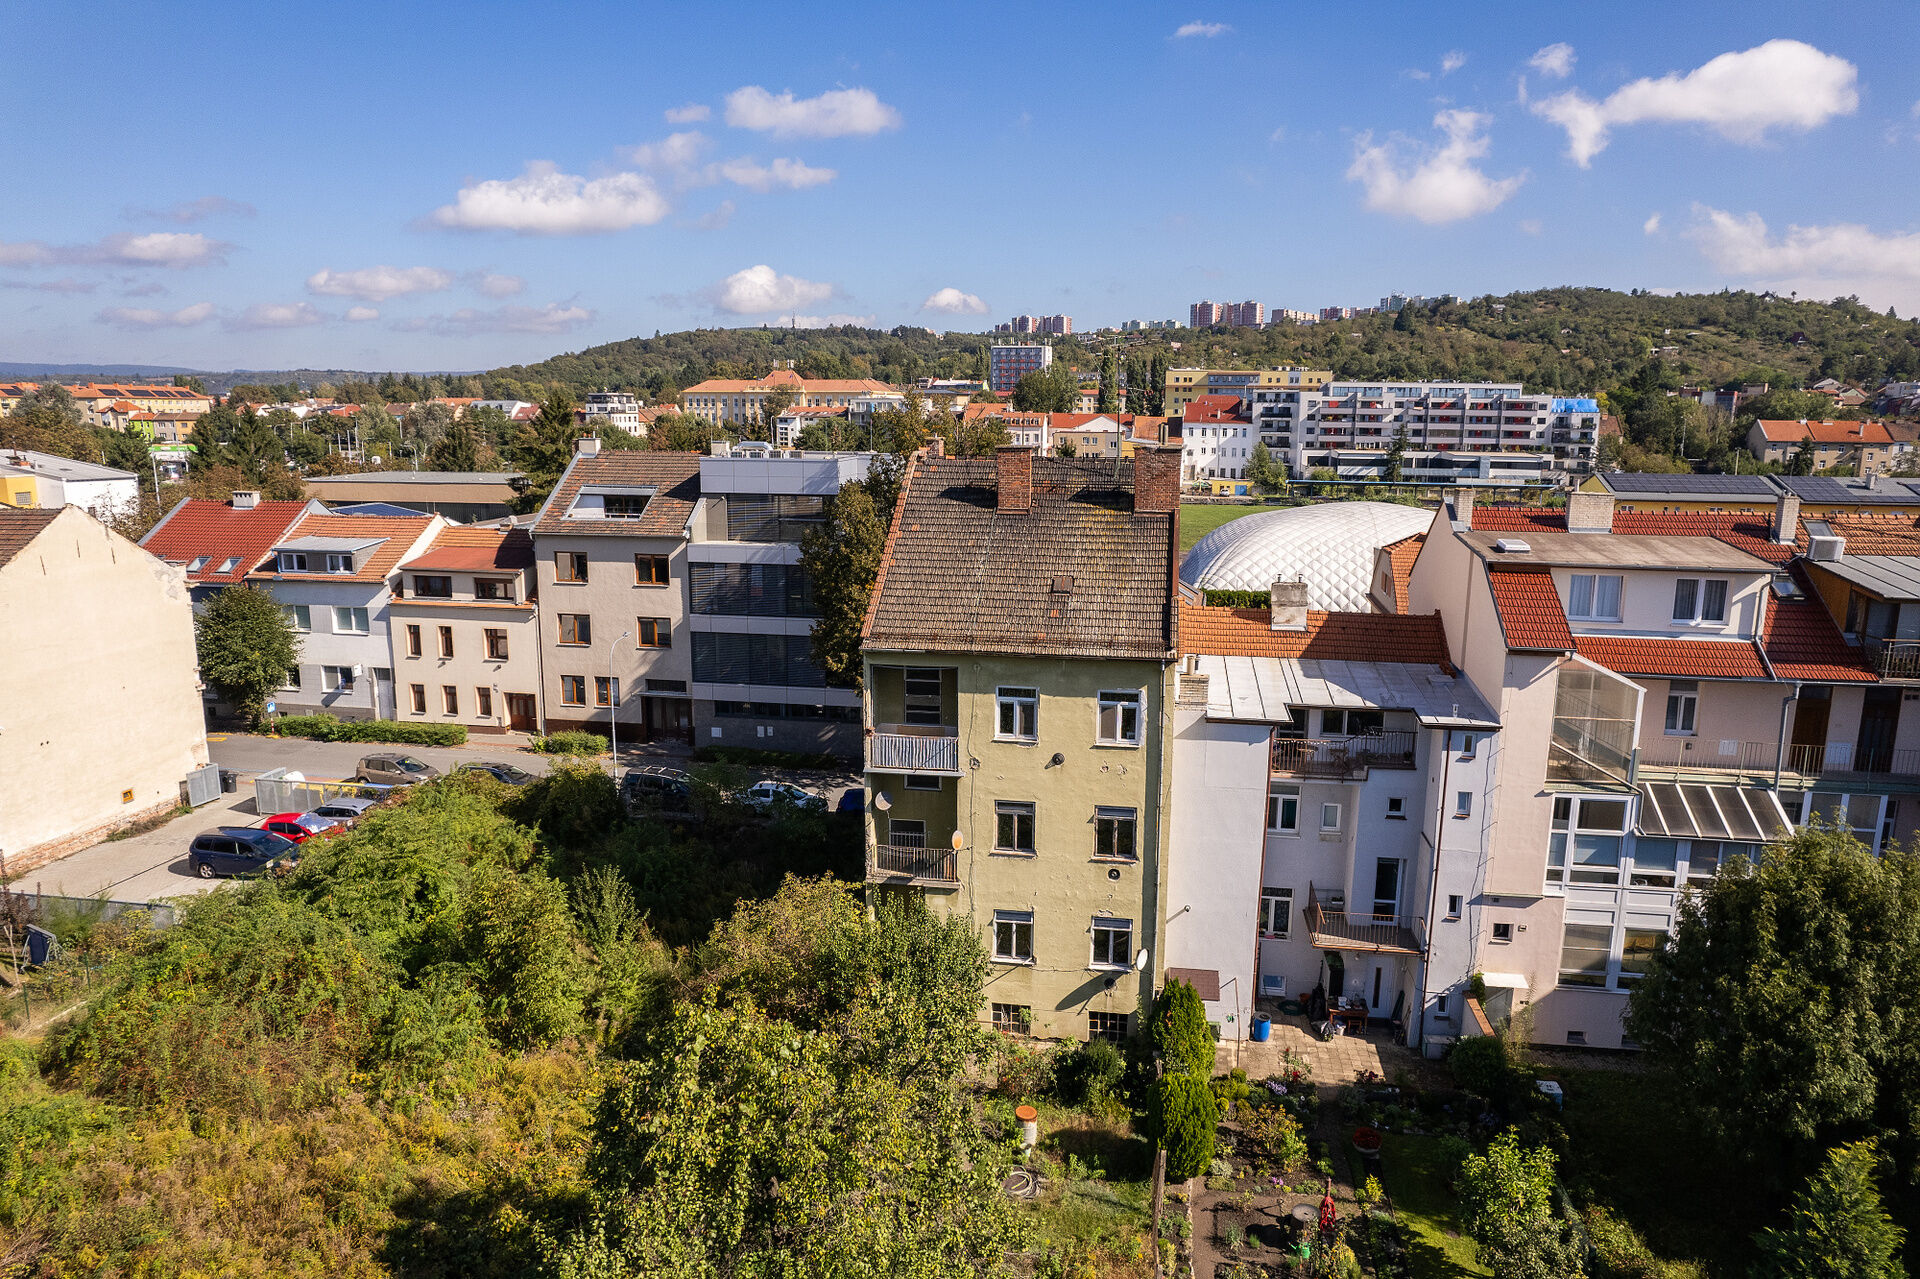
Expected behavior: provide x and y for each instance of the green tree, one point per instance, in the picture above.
(541, 450)
(1181, 1037)
(458, 448)
(1054, 389)
(1770, 1006)
(1507, 1199)
(737, 1144)
(1836, 1227)
(1181, 1115)
(1397, 453)
(841, 559)
(1801, 463)
(246, 645)
(1263, 470)
(1109, 383)
(48, 420)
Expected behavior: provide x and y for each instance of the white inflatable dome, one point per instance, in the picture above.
(1328, 545)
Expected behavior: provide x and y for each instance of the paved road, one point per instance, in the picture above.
(154, 865)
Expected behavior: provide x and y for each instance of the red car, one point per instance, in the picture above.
(300, 827)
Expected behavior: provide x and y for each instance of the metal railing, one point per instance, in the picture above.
(1354, 930)
(1342, 756)
(913, 748)
(1894, 659)
(915, 861)
(1834, 758)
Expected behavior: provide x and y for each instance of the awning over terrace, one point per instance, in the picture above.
(1746, 814)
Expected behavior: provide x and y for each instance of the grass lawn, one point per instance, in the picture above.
(1197, 519)
(1426, 1208)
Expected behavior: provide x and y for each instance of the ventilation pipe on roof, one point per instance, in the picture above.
(587, 446)
(1589, 512)
(245, 499)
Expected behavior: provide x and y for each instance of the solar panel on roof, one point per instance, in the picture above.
(1636, 482)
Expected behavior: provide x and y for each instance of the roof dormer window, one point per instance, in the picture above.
(197, 563)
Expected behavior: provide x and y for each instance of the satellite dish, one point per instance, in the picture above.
(882, 801)
(1140, 961)
(959, 841)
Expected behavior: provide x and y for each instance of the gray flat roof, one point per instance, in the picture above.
(1615, 550)
(1889, 576)
(335, 544)
(1260, 689)
(63, 468)
(416, 477)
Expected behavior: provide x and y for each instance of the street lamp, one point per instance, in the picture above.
(613, 703)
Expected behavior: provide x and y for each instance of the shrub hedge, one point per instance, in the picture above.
(1181, 1116)
(331, 728)
(571, 742)
(1240, 599)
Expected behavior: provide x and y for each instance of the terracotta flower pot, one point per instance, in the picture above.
(1366, 1141)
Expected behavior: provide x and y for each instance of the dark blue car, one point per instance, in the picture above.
(238, 850)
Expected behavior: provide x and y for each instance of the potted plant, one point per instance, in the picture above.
(1366, 1140)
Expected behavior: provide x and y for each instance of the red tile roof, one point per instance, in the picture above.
(1215, 408)
(1529, 609)
(788, 379)
(1678, 658)
(398, 534)
(476, 550)
(1215, 631)
(216, 530)
(1400, 558)
(1802, 642)
(1877, 534)
(1792, 431)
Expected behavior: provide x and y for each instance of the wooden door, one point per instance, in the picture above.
(521, 715)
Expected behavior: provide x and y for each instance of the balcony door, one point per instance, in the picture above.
(1878, 720)
(1810, 715)
(1386, 888)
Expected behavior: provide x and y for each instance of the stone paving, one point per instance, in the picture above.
(1333, 1061)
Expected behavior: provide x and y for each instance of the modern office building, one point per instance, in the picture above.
(1008, 362)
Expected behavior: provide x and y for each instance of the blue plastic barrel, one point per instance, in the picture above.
(1262, 1028)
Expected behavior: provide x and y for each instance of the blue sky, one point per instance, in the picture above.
(438, 186)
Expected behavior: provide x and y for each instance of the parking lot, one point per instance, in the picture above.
(154, 864)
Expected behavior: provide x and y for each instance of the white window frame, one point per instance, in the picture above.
(1118, 700)
(1022, 703)
(1277, 797)
(1397, 807)
(1454, 905)
(293, 562)
(337, 679)
(300, 615)
(1576, 825)
(1696, 611)
(1463, 803)
(345, 617)
(1338, 811)
(1683, 708)
(1113, 928)
(1276, 907)
(338, 562)
(1592, 581)
(1014, 920)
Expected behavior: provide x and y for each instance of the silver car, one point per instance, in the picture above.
(395, 769)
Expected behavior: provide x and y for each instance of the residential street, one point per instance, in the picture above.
(154, 865)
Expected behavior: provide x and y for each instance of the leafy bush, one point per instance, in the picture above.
(1484, 1066)
(1836, 1227)
(748, 757)
(1180, 1118)
(1240, 599)
(1088, 1074)
(1620, 1253)
(1277, 1145)
(330, 728)
(574, 807)
(1180, 1032)
(1507, 1198)
(1024, 1073)
(571, 742)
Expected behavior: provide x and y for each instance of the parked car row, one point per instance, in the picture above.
(656, 788)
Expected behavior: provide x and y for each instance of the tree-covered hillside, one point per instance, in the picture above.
(1564, 339)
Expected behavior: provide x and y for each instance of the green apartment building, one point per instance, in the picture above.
(1019, 656)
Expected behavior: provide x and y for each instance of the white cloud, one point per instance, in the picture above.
(1445, 186)
(361, 314)
(207, 206)
(66, 284)
(1822, 261)
(545, 201)
(277, 315)
(553, 318)
(1652, 224)
(837, 113)
(954, 302)
(692, 113)
(499, 286)
(675, 153)
(715, 218)
(759, 290)
(1452, 61)
(135, 317)
(1782, 84)
(833, 321)
(1555, 60)
(155, 248)
(791, 174)
(1206, 30)
(1531, 226)
(379, 283)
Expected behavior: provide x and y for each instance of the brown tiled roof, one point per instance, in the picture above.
(1215, 631)
(1529, 609)
(19, 527)
(1877, 534)
(398, 533)
(958, 575)
(1679, 658)
(216, 530)
(674, 476)
(476, 550)
(1400, 558)
(1801, 641)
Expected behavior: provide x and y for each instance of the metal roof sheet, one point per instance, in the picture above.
(1889, 576)
(1261, 689)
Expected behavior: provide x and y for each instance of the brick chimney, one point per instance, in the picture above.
(1786, 518)
(1463, 506)
(1156, 481)
(1015, 488)
(245, 499)
(1287, 604)
(1589, 512)
(937, 446)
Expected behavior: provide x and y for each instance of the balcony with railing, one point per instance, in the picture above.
(1833, 760)
(1897, 660)
(1342, 756)
(902, 857)
(1332, 927)
(914, 748)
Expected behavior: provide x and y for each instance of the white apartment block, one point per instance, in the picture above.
(622, 408)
